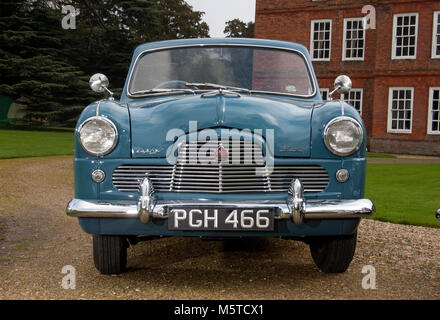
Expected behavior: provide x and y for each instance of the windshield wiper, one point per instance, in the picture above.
(164, 91)
(216, 86)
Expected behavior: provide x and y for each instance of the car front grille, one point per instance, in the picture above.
(227, 167)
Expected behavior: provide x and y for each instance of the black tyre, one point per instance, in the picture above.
(333, 255)
(110, 253)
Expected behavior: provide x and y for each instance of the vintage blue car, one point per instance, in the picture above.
(223, 139)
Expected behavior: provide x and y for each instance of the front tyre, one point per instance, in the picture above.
(110, 253)
(333, 255)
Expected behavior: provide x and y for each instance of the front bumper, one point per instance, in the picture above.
(295, 207)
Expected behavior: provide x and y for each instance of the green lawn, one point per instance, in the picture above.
(405, 193)
(22, 143)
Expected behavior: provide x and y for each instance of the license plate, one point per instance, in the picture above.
(221, 219)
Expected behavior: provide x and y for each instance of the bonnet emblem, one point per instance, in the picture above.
(221, 152)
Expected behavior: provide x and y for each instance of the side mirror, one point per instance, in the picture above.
(99, 83)
(342, 85)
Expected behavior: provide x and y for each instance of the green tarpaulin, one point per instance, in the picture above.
(5, 104)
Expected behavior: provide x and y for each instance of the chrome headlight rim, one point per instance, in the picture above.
(109, 122)
(338, 119)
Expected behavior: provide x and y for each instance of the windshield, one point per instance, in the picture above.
(192, 69)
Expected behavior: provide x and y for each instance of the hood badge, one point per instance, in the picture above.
(290, 149)
(221, 152)
(147, 151)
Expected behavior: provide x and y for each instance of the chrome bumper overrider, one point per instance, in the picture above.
(295, 207)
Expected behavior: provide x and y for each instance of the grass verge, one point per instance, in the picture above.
(23, 143)
(404, 193)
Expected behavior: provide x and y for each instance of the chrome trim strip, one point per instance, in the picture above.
(309, 68)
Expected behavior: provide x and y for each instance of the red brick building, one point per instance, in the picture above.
(394, 67)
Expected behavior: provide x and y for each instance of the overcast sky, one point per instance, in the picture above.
(217, 12)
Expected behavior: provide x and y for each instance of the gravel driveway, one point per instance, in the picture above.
(40, 239)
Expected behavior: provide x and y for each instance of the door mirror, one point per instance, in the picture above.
(342, 84)
(98, 82)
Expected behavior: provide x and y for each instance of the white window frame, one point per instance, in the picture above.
(436, 20)
(390, 104)
(431, 98)
(344, 40)
(312, 30)
(321, 90)
(346, 99)
(393, 47)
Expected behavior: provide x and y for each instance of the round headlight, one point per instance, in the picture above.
(343, 136)
(98, 135)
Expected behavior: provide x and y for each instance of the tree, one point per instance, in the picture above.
(238, 29)
(106, 34)
(34, 71)
(180, 21)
